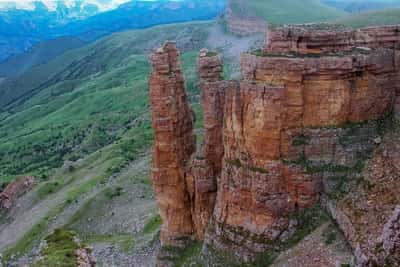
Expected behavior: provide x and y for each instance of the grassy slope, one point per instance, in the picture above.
(100, 56)
(379, 17)
(100, 114)
(95, 101)
(293, 11)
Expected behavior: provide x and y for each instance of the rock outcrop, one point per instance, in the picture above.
(14, 190)
(298, 128)
(174, 143)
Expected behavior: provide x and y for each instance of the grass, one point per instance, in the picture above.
(99, 121)
(95, 96)
(60, 250)
(278, 12)
(186, 256)
(152, 225)
(291, 11)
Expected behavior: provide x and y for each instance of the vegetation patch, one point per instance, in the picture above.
(180, 257)
(153, 225)
(313, 168)
(114, 192)
(234, 162)
(329, 235)
(257, 169)
(49, 188)
(301, 140)
(340, 187)
(59, 250)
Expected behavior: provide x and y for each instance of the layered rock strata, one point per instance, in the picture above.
(299, 127)
(327, 38)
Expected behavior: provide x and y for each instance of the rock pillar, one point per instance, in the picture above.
(174, 143)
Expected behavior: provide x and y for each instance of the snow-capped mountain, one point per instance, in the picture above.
(24, 23)
(54, 5)
(73, 9)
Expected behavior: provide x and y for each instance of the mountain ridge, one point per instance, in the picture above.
(21, 29)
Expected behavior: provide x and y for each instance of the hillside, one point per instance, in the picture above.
(100, 56)
(287, 11)
(355, 6)
(93, 119)
(370, 18)
(81, 93)
(82, 129)
(39, 54)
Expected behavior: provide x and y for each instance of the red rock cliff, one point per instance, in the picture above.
(308, 109)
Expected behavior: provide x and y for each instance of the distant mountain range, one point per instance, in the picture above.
(78, 8)
(26, 23)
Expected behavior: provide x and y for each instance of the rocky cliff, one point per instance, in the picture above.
(305, 126)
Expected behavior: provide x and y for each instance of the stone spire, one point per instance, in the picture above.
(174, 143)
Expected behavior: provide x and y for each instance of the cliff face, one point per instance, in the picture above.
(296, 131)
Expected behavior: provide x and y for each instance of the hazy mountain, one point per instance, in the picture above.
(25, 23)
